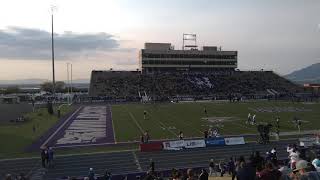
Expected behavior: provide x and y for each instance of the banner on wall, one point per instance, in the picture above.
(215, 142)
(173, 145)
(194, 143)
(234, 140)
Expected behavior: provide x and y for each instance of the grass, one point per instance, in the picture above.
(166, 120)
(15, 137)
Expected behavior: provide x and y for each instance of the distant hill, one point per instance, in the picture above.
(38, 81)
(310, 74)
(22, 81)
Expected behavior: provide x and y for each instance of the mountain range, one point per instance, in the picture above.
(310, 74)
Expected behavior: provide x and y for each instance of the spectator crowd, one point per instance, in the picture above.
(231, 85)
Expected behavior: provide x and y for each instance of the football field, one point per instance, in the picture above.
(165, 121)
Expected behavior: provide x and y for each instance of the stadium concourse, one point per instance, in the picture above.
(132, 163)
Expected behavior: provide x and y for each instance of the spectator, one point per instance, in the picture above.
(46, 151)
(246, 170)
(269, 173)
(285, 172)
(50, 156)
(22, 177)
(257, 160)
(316, 164)
(268, 156)
(205, 134)
(107, 175)
(222, 168)
(274, 156)
(9, 177)
(91, 174)
(152, 166)
(190, 175)
(304, 172)
(150, 176)
(43, 158)
(176, 175)
(293, 155)
(211, 167)
(204, 175)
(231, 167)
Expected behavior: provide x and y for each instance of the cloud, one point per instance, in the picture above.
(34, 44)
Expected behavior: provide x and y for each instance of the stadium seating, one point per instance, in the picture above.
(132, 86)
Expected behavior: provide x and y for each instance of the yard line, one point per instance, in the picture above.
(166, 127)
(172, 132)
(135, 121)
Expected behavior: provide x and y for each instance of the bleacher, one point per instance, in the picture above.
(163, 86)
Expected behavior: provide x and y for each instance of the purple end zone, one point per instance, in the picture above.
(86, 126)
(37, 143)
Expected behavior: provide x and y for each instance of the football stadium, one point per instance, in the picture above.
(184, 113)
(181, 109)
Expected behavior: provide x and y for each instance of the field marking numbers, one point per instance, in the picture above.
(172, 132)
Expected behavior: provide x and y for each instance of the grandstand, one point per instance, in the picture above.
(132, 86)
(189, 73)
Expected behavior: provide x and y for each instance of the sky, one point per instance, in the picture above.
(282, 36)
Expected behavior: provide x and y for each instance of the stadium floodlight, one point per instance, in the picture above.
(53, 9)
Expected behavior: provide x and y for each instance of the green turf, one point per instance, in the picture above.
(15, 137)
(166, 120)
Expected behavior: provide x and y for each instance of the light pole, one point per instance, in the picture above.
(71, 83)
(52, 55)
(68, 84)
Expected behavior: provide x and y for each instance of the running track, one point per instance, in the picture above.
(133, 161)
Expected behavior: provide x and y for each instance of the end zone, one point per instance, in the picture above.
(88, 125)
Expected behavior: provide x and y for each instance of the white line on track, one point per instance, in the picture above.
(137, 161)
